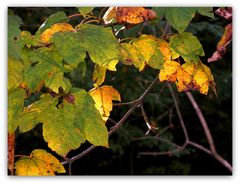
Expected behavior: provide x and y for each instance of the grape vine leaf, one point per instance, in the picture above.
(48, 69)
(85, 10)
(67, 125)
(14, 45)
(187, 46)
(15, 107)
(98, 41)
(51, 20)
(15, 73)
(45, 37)
(39, 163)
(99, 74)
(103, 97)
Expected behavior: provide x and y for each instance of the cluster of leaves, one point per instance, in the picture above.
(70, 116)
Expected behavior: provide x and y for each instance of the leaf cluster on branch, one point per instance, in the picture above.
(39, 64)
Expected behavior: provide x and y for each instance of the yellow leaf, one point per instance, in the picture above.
(169, 71)
(184, 77)
(133, 15)
(39, 163)
(164, 48)
(99, 75)
(131, 55)
(103, 97)
(59, 27)
(192, 76)
(147, 45)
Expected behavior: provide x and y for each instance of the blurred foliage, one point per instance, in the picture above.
(123, 155)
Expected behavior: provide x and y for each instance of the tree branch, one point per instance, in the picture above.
(118, 125)
(203, 121)
(178, 112)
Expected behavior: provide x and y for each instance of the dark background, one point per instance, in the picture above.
(122, 158)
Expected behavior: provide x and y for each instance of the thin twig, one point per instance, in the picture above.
(118, 125)
(178, 112)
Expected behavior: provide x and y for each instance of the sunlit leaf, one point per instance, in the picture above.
(46, 36)
(169, 71)
(98, 41)
(15, 108)
(131, 55)
(103, 97)
(51, 20)
(67, 126)
(39, 163)
(99, 75)
(15, 73)
(133, 15)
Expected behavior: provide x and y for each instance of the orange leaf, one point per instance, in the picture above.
(128, 15)
(169, 71)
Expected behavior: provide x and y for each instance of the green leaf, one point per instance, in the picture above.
(157, 60)
(53, 19)
(48, 69)
(179, 18)
(98, 41)
(15, 107)
(187, 46)
(67, 126)
(39, 163)
(206, 11)
(14, 44)
(85, 10)
(15, 73)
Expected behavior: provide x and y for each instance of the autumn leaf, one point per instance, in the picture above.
(169, 71)
(67, 126)
(39, 163)
(99, 75)
(146, 49)
(192, 76)
(128, 15)
(131, 55)
(103, 97)
(46, 36)
(187, 46)
(222, 44)
(189, 76)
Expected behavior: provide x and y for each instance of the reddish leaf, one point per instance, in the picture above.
(11, 141)
(222, 44)
(225, 12)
